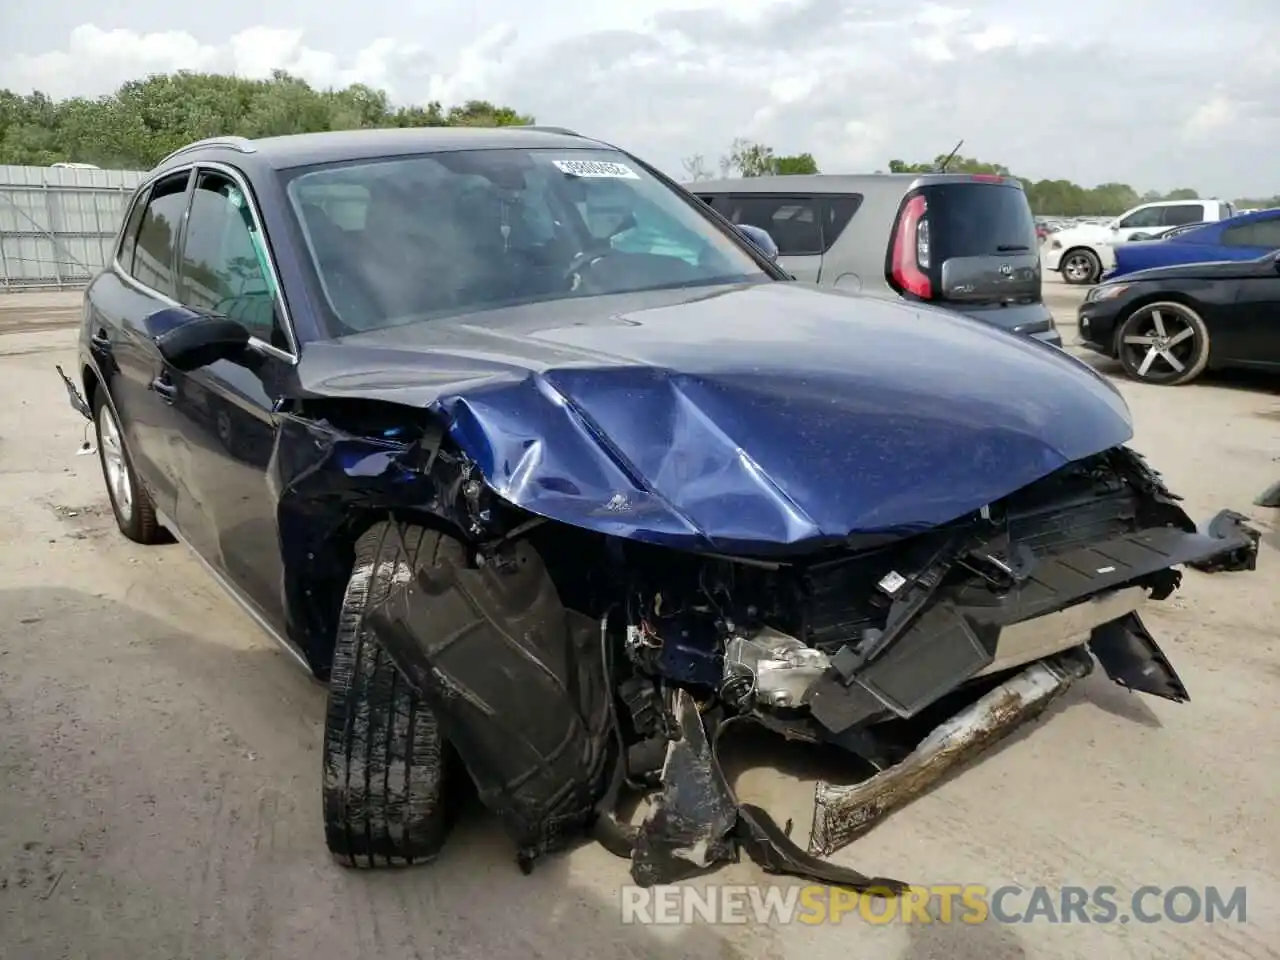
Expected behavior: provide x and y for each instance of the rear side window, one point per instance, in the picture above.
(152, 263)
(800, 225)
(978, 220)
(1179, 214)
(1259, 233)
(129, 235)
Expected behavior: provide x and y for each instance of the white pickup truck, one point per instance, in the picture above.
(1081, 253)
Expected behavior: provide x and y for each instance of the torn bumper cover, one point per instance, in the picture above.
(527, 701)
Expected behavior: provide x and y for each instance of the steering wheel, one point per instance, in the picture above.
(592, 255)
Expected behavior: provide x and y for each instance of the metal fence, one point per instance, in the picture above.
(57, 224)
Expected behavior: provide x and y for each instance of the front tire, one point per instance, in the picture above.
(1164, 343)
(384, 757)
(134, 510)
(1081, 267)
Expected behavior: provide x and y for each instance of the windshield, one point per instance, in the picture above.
(395, 241)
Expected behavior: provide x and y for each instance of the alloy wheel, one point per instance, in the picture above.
(114, 465)
(1078, 268)
(1161, 343)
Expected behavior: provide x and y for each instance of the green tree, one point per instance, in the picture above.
(146, 119)
(800, 163)
(749, 159)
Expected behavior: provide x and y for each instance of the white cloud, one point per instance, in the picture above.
(1141, 95)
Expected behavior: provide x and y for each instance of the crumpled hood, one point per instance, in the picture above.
(750, 419)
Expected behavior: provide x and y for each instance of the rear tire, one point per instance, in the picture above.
(132, 506)
(1080, 266)
(384, 756)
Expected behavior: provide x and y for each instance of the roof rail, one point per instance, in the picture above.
(543, 129)
(241, 144)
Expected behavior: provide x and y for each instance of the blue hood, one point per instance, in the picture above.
(753, 419)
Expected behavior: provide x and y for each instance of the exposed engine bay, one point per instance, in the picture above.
(567, 666)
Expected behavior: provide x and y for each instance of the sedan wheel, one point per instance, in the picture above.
(1081, 266)
(1164, 343)
(134, 512)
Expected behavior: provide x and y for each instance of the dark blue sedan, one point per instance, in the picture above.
(550, 473)
(1244, 237)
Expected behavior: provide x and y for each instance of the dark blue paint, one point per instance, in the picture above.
(1201, 245)
(751, 418)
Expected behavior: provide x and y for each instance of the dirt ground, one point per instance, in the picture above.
(159, 765)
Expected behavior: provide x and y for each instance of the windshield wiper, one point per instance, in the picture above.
(1012, 248)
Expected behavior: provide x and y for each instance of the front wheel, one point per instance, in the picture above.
(1081, 266)
(1164, 343)
(384, 758)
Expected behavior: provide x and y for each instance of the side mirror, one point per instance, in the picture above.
(188, 340)
(1114, 224)
(760, 238)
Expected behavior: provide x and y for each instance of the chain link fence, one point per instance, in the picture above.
(57, 224)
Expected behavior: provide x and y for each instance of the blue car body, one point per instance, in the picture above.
(1207, 244)
(814, 509)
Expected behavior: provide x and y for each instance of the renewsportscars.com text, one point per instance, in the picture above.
(939, 903)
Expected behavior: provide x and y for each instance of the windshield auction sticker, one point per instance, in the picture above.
(596, 168)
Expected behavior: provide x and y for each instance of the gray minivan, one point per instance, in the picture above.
(966, 242)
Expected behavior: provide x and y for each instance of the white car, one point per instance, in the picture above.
(1081, 253)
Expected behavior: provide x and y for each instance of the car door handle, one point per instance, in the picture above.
(166, 388)
(100, 340)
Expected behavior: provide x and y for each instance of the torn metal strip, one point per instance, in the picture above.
(842, 813)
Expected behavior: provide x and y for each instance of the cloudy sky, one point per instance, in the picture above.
(1158, 93)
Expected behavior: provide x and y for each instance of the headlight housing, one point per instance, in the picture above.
(1106, 291)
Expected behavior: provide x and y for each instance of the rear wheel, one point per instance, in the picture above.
(383, 752)
(1164, 343)
(134, 511)
(1081, 266)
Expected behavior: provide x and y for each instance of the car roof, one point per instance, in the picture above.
(833, 182)
(306, 149)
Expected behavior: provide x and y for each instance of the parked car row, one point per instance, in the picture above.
(1083, 252)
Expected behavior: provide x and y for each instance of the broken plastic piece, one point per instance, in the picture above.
(842, 813)
(693, 819)
(1132, 658)
(1240, 549)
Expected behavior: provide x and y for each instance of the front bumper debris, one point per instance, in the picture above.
(1239, 544)
(842, 813)
(78, 403)
(1269, 497)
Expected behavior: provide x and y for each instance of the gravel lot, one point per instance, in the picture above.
(159, 765)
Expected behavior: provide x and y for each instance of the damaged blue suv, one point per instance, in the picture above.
(554, 477)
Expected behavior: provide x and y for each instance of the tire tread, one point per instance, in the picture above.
(383, 752)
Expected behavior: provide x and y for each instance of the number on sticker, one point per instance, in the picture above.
(596, 168)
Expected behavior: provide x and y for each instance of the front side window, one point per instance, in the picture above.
(1257, 233)
(397, 241)
(224, 266)
(152, 261)
(1146, 217)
